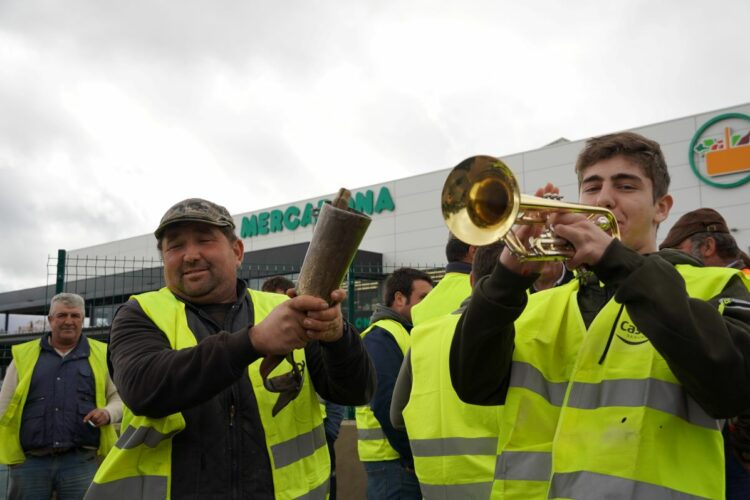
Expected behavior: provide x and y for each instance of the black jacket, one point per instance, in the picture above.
(708, 352)
(221, 453)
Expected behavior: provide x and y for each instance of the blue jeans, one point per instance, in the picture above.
(4, 481)
(389, 480)
(70, 474)
(737, 477)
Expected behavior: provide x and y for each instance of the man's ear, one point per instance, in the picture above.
(708, 249)
(663, 207)
(238, 249)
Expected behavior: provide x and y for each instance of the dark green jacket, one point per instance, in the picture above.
(707, 351)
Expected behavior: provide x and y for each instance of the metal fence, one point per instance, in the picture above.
(107, 282)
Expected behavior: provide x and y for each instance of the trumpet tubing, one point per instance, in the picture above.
(481, 203)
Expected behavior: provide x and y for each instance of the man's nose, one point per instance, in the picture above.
(605, 198)
(192, 252)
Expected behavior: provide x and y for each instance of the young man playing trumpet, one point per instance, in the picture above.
(611, 383)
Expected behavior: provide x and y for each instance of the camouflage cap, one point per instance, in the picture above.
(195, 210)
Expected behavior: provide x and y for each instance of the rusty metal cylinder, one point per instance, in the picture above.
(336, 238)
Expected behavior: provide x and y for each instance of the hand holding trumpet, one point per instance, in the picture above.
(524, 232)
(588, 240)
(481, 204)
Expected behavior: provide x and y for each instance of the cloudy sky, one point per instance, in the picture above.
(112, 111)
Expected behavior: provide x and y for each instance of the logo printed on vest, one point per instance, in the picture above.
(629, 334)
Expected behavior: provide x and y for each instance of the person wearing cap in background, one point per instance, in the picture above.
(204, 418)
(704, 234)
(57, 408)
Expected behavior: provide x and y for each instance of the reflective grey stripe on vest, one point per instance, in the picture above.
(524, 466)
(141, 487)
(318, 493)
(527, 376)
(453, 446)
(593, 486)
(478, 491)
(132, 437)
(652, 393)
(298, 447)
(370, 434)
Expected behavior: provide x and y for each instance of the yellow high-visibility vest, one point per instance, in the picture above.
(445, 298)
(139, 465)
(372, 445)
(25, 357)
(454, 443)
(577, 423)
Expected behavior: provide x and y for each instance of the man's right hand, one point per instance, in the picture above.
(283, 330)
(524, 232)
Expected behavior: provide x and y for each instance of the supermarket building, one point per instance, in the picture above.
(708, 155)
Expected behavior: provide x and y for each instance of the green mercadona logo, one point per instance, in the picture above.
(720, 151)
(293, 217)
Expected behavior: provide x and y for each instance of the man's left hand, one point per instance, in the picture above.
(97, 416)
(326, 325)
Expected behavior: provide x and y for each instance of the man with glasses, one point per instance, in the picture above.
(219, 380)
(57, 407)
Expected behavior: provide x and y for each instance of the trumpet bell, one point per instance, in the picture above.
(480, 199)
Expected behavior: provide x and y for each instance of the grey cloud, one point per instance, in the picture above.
(580, 69)
(301, 34)
(22, 257)
(33, 119)
(36, 221)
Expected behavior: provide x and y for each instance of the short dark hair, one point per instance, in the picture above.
(634, 147)
(726, 245)
(455, 249)
(277, 283)
(485, 259)
(226, 231)
(401, 280)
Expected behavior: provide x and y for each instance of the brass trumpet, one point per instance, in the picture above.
(481, 203)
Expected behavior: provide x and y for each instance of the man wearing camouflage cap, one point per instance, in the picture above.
(205, 418)
(704, 234)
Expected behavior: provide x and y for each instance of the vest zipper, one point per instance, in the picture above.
(234, 447)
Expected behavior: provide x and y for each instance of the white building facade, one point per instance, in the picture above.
(708, 157)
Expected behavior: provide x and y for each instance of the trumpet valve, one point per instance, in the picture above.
(602, 222)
